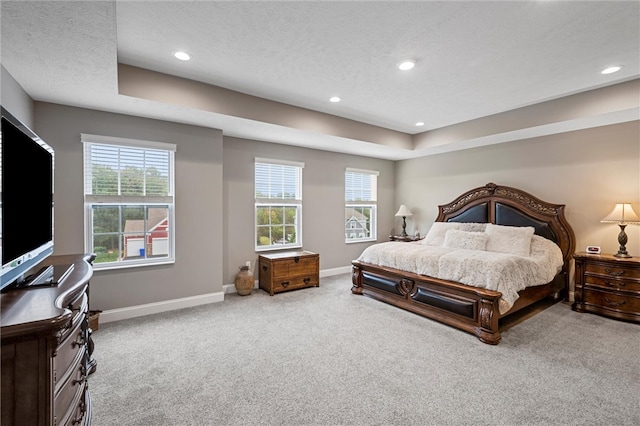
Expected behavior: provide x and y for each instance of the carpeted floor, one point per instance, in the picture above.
(322, 356)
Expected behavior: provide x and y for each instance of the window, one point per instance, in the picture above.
(278, 198)
(128, 197)
(360, 197)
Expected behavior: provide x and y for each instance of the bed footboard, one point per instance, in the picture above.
(471, 309)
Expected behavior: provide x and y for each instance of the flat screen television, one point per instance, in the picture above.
(26, 203)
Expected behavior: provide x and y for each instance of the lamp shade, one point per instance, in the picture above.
(622, 213)
(404, 211)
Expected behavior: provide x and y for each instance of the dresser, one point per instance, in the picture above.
(607, 285)
(290, 270)
(46, 351)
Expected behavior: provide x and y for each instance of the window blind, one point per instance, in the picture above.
(112, 170)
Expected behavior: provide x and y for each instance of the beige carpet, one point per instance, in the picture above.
(322, 356)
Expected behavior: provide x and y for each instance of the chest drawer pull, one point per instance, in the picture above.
(613, 273)
(612, 303)
(284, 283)
(306, 280)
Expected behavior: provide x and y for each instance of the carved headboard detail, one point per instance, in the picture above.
(503, 205)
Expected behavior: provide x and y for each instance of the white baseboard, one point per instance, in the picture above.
(188, 302)
(231, 288)
(157, 307)
(335, 271)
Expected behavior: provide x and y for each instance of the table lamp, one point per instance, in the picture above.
(622, 215)
(404, 212)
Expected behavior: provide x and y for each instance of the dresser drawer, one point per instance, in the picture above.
(72, 346)
(70, 395)
(612, 301)
(611, 270)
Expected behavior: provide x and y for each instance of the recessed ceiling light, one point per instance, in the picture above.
(183, 56)
(611, 70)
(406, 65)
(420, 123)
(334, 99)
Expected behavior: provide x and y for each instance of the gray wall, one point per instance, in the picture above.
(15, 99)
(323, 201)
(587, 170)
(198, 162)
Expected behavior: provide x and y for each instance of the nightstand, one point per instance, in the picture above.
(408, 238)
(608, 285)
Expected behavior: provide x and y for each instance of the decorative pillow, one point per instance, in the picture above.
(435, 236)
(456, 238)
(509, 239)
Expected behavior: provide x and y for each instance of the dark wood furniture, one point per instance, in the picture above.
(288, 270)
(608, 285)
(45, 350)
(408, 238)
(471, 309)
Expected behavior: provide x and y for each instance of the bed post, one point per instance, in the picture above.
(489, 330)
(356, 279)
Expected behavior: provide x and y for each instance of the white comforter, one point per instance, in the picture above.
(501, 272)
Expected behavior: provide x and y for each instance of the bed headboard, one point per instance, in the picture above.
(503, 205)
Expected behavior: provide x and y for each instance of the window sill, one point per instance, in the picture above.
(133, 264)
(368, 240)
(278, 247)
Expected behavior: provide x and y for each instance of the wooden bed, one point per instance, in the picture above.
(472, 309)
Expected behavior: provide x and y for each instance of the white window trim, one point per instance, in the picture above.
(278, 202)
(368, 204)
(90, 200)
(136, 143)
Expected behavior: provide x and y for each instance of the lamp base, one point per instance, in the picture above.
(404, 226)
(620, 254)
(622, 240)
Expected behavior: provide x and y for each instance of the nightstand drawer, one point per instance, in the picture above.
(612, 283)
(612, 301)
(611, 270)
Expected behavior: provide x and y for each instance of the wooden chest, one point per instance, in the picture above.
(607, 285)
(289, 270)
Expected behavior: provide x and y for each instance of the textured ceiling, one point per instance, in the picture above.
(473, 59)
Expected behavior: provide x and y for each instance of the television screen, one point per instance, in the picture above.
(26, 211)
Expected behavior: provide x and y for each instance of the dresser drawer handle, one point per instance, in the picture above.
(82, 379)
(78, 420)
(264, 268)
(284, 283)
(79, 342)
(610, 284)
(612, 303)
(614, 273)
(306, 280)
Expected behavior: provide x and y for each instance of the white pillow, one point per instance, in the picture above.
(435, 236)
(509, 239)
(456, 238)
